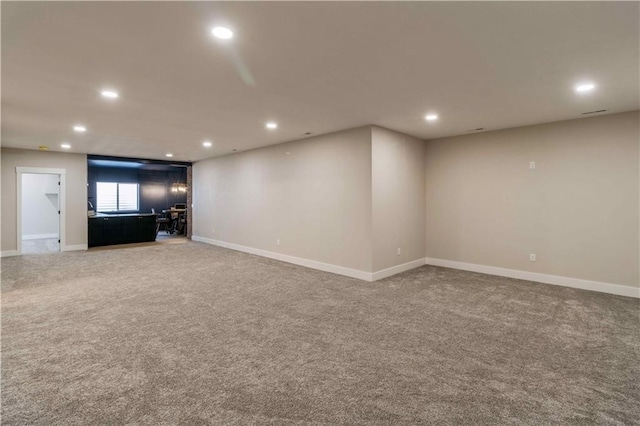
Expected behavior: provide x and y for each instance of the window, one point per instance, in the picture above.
(113, 197)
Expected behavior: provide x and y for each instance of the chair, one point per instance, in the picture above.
(182, 223)
(174, 219)
(160, 221)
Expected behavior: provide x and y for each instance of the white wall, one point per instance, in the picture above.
(314, 195)
(578, 210)
(40, 206)
(76, 195)
(398, 179)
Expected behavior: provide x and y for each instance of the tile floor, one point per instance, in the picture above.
(40, 245)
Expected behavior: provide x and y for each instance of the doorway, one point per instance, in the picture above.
(40, 210)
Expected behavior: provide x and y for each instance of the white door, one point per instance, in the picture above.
(40, 210)
(40, 213)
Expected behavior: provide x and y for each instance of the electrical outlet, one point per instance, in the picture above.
(278, 242)
(399, 251)
(532, 164)
(532, 257)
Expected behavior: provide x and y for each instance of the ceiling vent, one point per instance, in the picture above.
(594, 112)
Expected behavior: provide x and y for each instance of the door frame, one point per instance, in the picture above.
(62, 173)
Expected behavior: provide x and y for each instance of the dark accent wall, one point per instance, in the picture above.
(155, 185)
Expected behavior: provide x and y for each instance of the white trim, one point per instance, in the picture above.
(62, 173)
(74, 247)
(43, 170)
(39, 236)
(617, 289)
(621, 290)
(335, 269)
(384, 273)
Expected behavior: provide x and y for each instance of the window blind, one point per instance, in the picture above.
(113, 196)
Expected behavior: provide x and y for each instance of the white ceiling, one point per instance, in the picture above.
(312, 67)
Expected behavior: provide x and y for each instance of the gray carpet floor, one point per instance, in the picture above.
(193, 334)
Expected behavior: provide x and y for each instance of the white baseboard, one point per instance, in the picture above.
(39, 236)
(74, 247)
(620, 290)
(384, 273)
(335, 269)
(617, 289)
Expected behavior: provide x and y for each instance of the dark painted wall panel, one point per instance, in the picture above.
(155, 186)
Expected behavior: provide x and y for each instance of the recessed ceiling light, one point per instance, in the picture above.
(431, 117)
(111, 94)
(65, 146)
(169, 154)
(272, 125)
(585, 87)
(206, 144)
(79, 128)
(222, 32)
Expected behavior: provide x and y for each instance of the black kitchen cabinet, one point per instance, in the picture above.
(108, 229)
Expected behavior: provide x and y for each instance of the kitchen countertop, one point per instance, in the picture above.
(98, 215)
